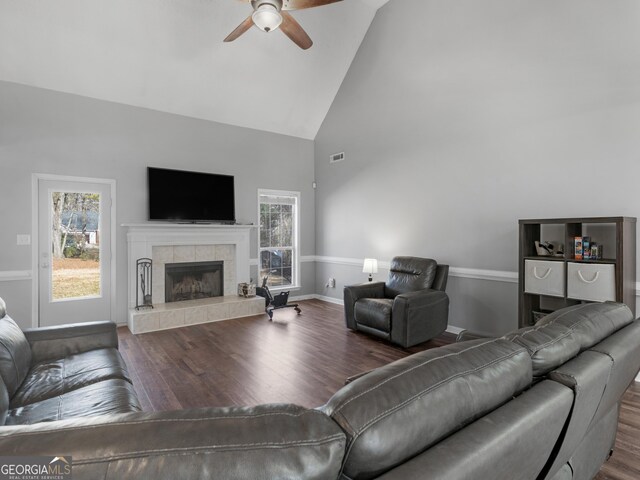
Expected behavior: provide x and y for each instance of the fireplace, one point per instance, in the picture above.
(193, 280)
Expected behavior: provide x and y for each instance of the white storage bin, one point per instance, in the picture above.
(591, 281)
(544, 278)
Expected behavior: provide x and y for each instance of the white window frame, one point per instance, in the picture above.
(295, 261)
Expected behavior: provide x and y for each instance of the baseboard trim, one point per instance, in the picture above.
(13, 275)
(335, 301)
(455, 330)
(299, 298)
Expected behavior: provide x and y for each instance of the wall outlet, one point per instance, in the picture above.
(23, 239)
(332, 283)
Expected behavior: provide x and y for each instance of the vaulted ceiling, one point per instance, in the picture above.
(168, 55)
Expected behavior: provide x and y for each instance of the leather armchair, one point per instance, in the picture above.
(410, 308)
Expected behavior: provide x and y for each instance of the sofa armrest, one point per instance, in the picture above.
(267, 441)
(419, 316)
(352, 293)
(58, 342)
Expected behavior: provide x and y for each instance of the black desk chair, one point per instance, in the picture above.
(275, 303)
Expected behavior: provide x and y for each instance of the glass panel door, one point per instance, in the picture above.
(74, 251)
(75, 245)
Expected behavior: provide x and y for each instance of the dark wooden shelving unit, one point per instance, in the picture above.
(624, 261)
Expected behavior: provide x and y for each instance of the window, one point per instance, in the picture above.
(278, 237)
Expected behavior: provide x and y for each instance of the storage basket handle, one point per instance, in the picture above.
(535, 273)
(595, 278)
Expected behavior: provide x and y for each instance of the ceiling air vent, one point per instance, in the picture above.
(336, 157)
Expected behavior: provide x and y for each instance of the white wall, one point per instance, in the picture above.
(47, 132)
(460, 117)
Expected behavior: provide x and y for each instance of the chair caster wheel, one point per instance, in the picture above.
(298, 310)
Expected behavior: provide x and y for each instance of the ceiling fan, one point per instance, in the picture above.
(268, 15)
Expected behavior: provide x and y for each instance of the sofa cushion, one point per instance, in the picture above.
(408, 274)
(104, 398)
(259, 443)
(55, 377)
(401, 409)
(15, 352)
(374, 313)
(561, 335)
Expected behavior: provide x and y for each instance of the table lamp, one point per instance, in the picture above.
(370, 266)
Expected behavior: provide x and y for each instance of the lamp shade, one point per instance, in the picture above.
(370, 265)
(267, 17)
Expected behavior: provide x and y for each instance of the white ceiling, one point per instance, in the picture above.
(168, 55)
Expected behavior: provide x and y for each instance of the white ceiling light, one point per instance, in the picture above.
(267, 17)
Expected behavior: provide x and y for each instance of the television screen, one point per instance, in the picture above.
(180, 196)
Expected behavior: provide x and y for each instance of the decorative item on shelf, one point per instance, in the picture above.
(246, 290)
(144, 268)
(370, 266)
(578, 248)
(547, 249)
(586, 248)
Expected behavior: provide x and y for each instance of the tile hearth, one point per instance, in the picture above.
(192, 312)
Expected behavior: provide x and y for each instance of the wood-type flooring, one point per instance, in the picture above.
(300, 359)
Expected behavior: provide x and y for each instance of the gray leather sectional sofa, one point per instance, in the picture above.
(539, 403)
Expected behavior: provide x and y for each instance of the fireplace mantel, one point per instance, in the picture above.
(142, 237)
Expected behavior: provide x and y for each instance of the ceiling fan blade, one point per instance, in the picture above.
(294, 31)
(301, 4)
(240, 29)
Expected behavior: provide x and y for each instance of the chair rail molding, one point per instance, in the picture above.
(15, 275)
(474, 273)
(303, 259)
(504, 276)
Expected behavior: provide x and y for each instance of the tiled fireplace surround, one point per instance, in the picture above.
(173, 243)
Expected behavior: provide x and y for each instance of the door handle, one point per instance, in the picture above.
(44, 265)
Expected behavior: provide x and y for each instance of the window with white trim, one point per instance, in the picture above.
(278, 246)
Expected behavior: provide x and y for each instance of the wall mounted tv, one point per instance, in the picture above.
(179, 196)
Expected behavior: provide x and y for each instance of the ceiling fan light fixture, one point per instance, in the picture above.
(267, 17)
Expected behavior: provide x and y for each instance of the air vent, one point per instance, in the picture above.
(336, 157)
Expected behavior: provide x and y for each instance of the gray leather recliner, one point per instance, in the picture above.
(410, 308)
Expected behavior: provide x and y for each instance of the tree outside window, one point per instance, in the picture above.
(278, 237)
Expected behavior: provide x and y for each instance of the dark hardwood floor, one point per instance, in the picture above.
(624, 464)
(294, 359)
(299, 359)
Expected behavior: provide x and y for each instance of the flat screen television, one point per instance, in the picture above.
(179, 196)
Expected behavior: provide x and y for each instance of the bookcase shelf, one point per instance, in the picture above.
(619, 234)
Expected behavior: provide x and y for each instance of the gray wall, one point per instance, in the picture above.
(47, 132)
(458, 118)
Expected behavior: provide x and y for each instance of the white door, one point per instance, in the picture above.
(74, 252)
